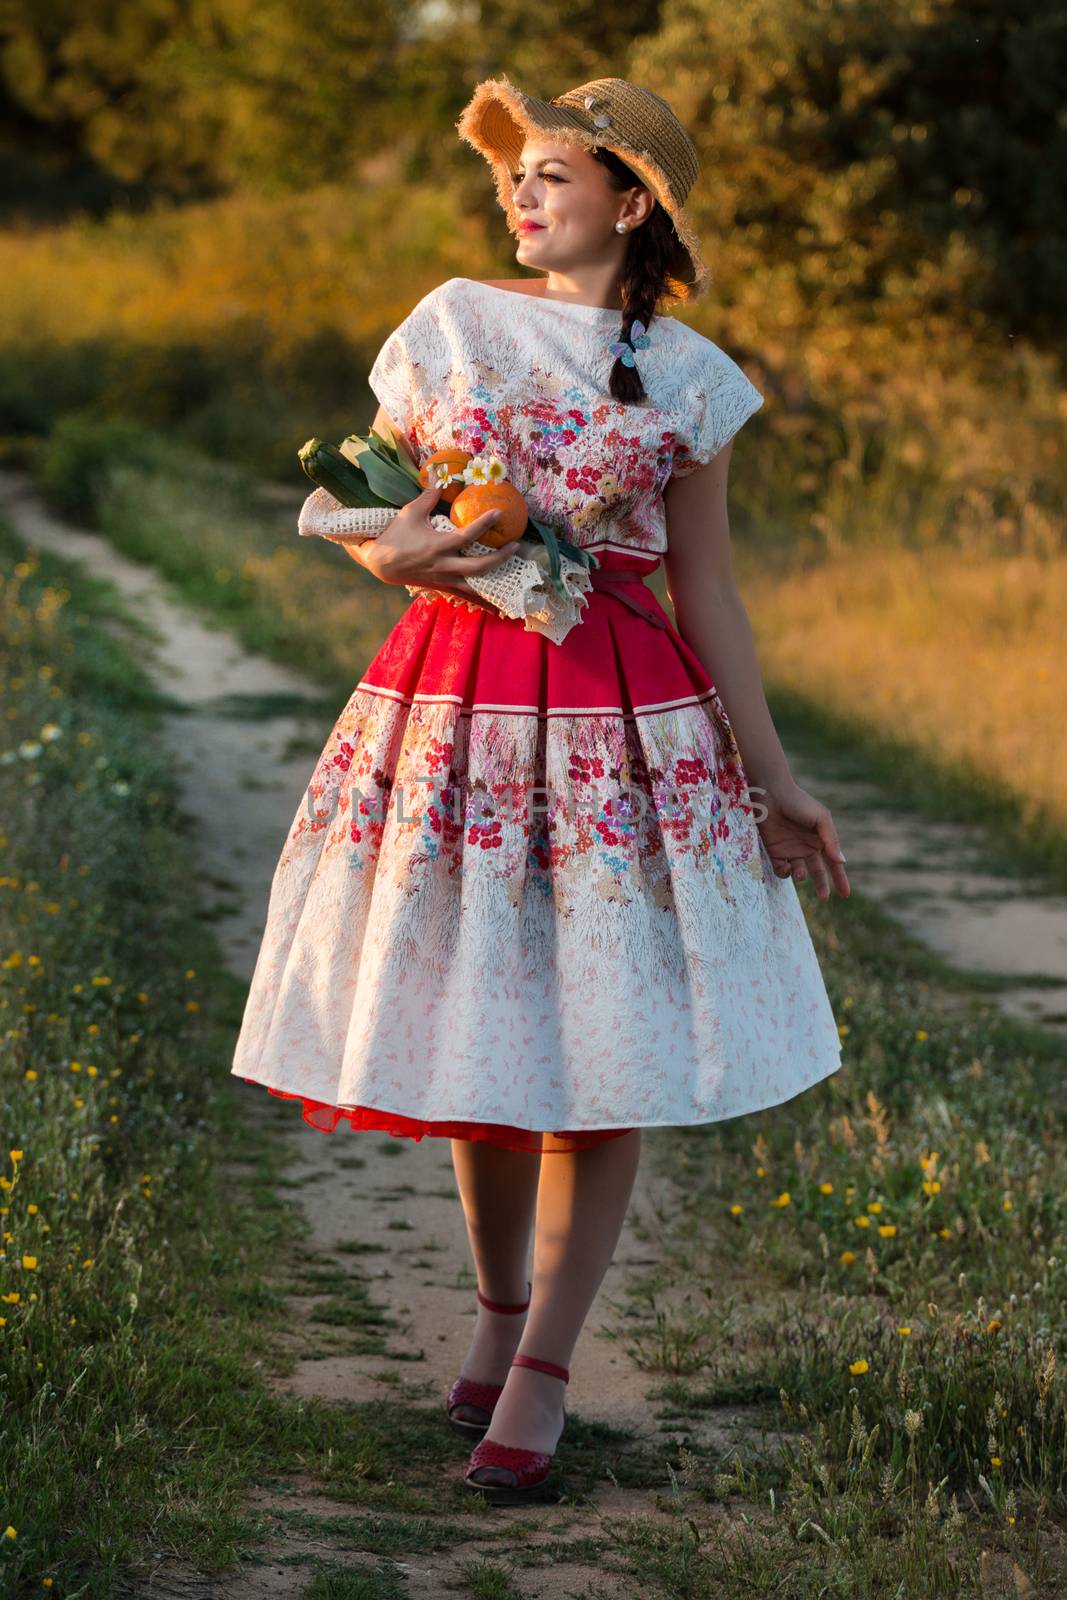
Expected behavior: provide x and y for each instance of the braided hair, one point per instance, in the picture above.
(655, 266)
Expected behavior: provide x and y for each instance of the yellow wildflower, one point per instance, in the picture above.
(735, 1209)
(826, 1188)
(847, 1257)
(887, 1229)
(784, 1199)
(856, 1367)
(862, 1222)
(904, 1332)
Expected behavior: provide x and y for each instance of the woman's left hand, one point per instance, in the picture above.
(801, 838)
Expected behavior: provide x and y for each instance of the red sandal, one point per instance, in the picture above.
(473, 1395)
(530, 1468)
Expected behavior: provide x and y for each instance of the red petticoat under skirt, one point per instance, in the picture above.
(325, 1118)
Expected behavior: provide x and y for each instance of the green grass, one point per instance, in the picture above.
(149, 1415)
(907, 1370)
(144, 1221)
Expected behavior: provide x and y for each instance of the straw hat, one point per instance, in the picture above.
(607, 113)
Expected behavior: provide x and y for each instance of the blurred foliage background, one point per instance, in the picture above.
(213, 213)
(235, 200)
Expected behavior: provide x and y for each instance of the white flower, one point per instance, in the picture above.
(29, 748)
(474, 471)
(51, 731)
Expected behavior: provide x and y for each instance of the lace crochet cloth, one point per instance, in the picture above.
(518, 587)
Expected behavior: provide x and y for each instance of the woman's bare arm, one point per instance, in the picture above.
(711, 615)
(797, 829)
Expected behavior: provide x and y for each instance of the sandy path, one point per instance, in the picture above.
(929, 876)
(434, 1305)
(216, 749)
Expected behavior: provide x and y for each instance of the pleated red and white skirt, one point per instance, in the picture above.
(524, 898)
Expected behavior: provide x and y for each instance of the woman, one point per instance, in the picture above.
(626, 950)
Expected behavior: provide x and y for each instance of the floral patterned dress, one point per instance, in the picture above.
(524, 893)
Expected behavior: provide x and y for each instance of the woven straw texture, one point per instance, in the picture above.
(606, 113)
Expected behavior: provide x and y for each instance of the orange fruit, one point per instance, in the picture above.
(478, 498)
(456, 459)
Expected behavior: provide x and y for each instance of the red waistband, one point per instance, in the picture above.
(618, 584)
(602, 579)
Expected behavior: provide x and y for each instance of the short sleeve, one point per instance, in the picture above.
(413, 363)
(720, 399)
(392, 377)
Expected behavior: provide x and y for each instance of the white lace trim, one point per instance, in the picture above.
(324, 516)
(518, 587)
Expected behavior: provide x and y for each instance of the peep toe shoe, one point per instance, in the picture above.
(531, 1469)
(468, 1395)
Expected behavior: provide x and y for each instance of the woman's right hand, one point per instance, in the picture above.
(411, 551)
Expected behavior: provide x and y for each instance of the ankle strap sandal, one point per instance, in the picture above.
(530, 1469)
(472, 1395)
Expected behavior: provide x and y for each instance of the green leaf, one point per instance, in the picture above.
(554, 542)
(394, 482)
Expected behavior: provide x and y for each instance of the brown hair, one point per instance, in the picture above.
(656, 267)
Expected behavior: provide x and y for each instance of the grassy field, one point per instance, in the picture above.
(873, 1278)
(868, 1280)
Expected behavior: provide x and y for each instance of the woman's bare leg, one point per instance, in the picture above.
(582, 1200)
(498, 1192)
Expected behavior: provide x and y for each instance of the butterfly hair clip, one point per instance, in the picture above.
(626, 349)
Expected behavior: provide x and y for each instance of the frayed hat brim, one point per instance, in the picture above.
(499, 118)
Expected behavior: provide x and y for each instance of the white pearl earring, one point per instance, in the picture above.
(620, 227)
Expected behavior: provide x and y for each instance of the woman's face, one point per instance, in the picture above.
(563, 190)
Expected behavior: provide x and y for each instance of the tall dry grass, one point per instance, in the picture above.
(960, 655)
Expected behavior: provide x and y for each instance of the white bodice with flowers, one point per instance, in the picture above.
(506, 372)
